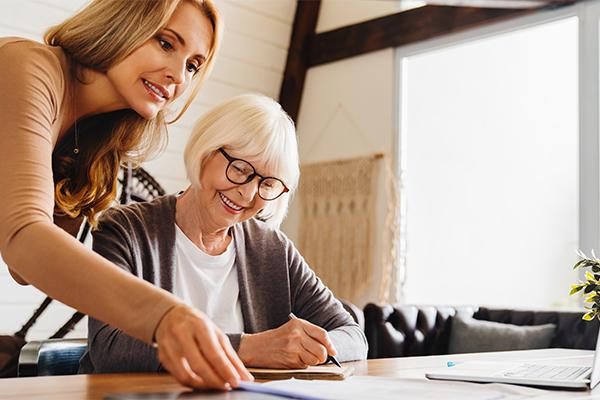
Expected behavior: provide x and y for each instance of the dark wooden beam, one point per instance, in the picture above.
(303, 31)
(402, 28)
(499, 3)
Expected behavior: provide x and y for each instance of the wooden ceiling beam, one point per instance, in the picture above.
(514, 4)
(292, 85)
(400, 29)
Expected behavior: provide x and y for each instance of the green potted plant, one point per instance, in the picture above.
(591, 287)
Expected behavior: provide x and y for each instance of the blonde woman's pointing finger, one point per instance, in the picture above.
(190, 349)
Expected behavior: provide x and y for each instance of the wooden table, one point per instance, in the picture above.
(77, 387)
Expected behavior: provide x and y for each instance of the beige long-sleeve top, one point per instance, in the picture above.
(34, 107)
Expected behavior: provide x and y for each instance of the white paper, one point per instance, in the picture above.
(380, 388)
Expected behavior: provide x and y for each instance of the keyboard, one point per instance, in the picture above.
(547, 372)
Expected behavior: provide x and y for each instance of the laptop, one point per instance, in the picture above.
(547, 373)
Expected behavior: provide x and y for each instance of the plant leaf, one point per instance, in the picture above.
(590, 298)
(579, 264)
(575, 288)
(589, 276)
(589, 316)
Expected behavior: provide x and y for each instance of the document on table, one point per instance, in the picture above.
(372, 387)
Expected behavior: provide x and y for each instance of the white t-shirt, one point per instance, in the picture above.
(208, 283)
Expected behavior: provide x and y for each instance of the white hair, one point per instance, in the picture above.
(255, 127)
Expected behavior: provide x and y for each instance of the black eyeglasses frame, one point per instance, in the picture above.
(253, 175)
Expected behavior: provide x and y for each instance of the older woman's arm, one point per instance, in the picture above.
(322, 326)
(313, 301)
(111, 350)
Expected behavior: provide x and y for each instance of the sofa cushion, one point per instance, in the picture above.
(572, 331)
(469, 335)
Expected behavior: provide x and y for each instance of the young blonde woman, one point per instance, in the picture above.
(72, 110)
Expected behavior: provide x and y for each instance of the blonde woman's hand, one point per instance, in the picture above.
(196, 352)
(295, 344)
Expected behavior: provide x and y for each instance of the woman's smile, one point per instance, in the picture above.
(156, 91)
(229, 205)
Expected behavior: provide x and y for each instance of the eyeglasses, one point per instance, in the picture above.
(241, 172)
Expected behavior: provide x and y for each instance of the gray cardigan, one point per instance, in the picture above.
(273, 278)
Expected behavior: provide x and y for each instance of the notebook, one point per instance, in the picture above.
(546, 374)
(321, 372)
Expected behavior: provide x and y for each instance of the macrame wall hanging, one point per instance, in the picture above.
(338, 200)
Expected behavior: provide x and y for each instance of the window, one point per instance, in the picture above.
(490, 159)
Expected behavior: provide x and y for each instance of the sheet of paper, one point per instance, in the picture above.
(370, 387)
(276, 391)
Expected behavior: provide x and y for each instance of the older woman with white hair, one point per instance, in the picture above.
(217, 246)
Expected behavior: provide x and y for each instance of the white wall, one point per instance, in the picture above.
(338, 13)
(252, 58)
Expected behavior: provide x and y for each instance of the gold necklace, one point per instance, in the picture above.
(76, 148)
(74, 105)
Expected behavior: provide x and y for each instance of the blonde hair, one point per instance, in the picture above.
(255, 127)
(98, 37)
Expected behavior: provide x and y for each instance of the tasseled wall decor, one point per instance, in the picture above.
(338, 221)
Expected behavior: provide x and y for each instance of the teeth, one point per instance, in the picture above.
(229, 202)
(154, 88)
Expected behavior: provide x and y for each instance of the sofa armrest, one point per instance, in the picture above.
(356, 313)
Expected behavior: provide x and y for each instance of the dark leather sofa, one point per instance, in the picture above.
(413, 330)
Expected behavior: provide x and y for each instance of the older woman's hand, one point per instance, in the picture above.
(196, 352)
(295, 344)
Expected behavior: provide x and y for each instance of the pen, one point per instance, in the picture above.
(329, 358)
